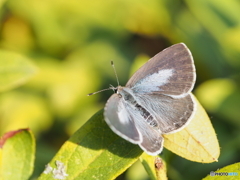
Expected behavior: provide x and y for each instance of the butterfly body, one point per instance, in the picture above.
(129, 98)
(155, 101)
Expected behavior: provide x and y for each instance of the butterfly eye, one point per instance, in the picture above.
(115, 90)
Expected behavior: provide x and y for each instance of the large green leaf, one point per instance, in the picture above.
(93, 152)
(14, 70)
(17, 152)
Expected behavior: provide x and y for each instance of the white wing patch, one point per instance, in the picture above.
(154, 81)
(123, 114)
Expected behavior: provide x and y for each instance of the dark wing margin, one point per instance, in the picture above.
(118, 119)
(170, 72)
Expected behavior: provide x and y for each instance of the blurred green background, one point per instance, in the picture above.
(72, 42)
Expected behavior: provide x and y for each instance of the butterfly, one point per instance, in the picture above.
(156, 100)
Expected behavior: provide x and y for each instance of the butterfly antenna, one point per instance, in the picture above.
(101, 91)
(115, 72)
(111, 87)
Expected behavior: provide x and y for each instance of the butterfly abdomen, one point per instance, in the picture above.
(147, 116)
(129, 97)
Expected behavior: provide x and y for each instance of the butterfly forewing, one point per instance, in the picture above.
(117, 116)
(170, 72)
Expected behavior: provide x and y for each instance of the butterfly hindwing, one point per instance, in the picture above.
(127, 121)
(152, 140)
(171, 114)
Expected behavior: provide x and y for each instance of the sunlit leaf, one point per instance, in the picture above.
(136, 172)
(17, 154)
(148, 163)
(221, 96)
(16, 35)
(222, 31)
(94, 151)
(19, 110)
(14, 70)
(212, 93)
(230, 172)
(2, 2)
(197, 142)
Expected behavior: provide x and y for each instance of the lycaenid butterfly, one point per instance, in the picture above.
(156, 100)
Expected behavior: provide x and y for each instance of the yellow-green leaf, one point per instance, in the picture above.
(214, 92)
(197, 142)
(15, 70)
(93, 152)
(230, 172)
(1, 3)
(148, 163)
(17, 152)
(20, 109)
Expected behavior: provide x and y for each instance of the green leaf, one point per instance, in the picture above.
(17, 149)
(213, 93)
(221, 96)
(1, 3)
(21, 109)
(230, 172)
(148, 163)
(14, 70)
(93, 152)
(155, 167)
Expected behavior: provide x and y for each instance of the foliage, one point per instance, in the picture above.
(17, 149)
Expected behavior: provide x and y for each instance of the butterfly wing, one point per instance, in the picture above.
(152, 140)
(120, 120)
(162, 88)
(170, 72)
(171, 114)
(127, 122)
